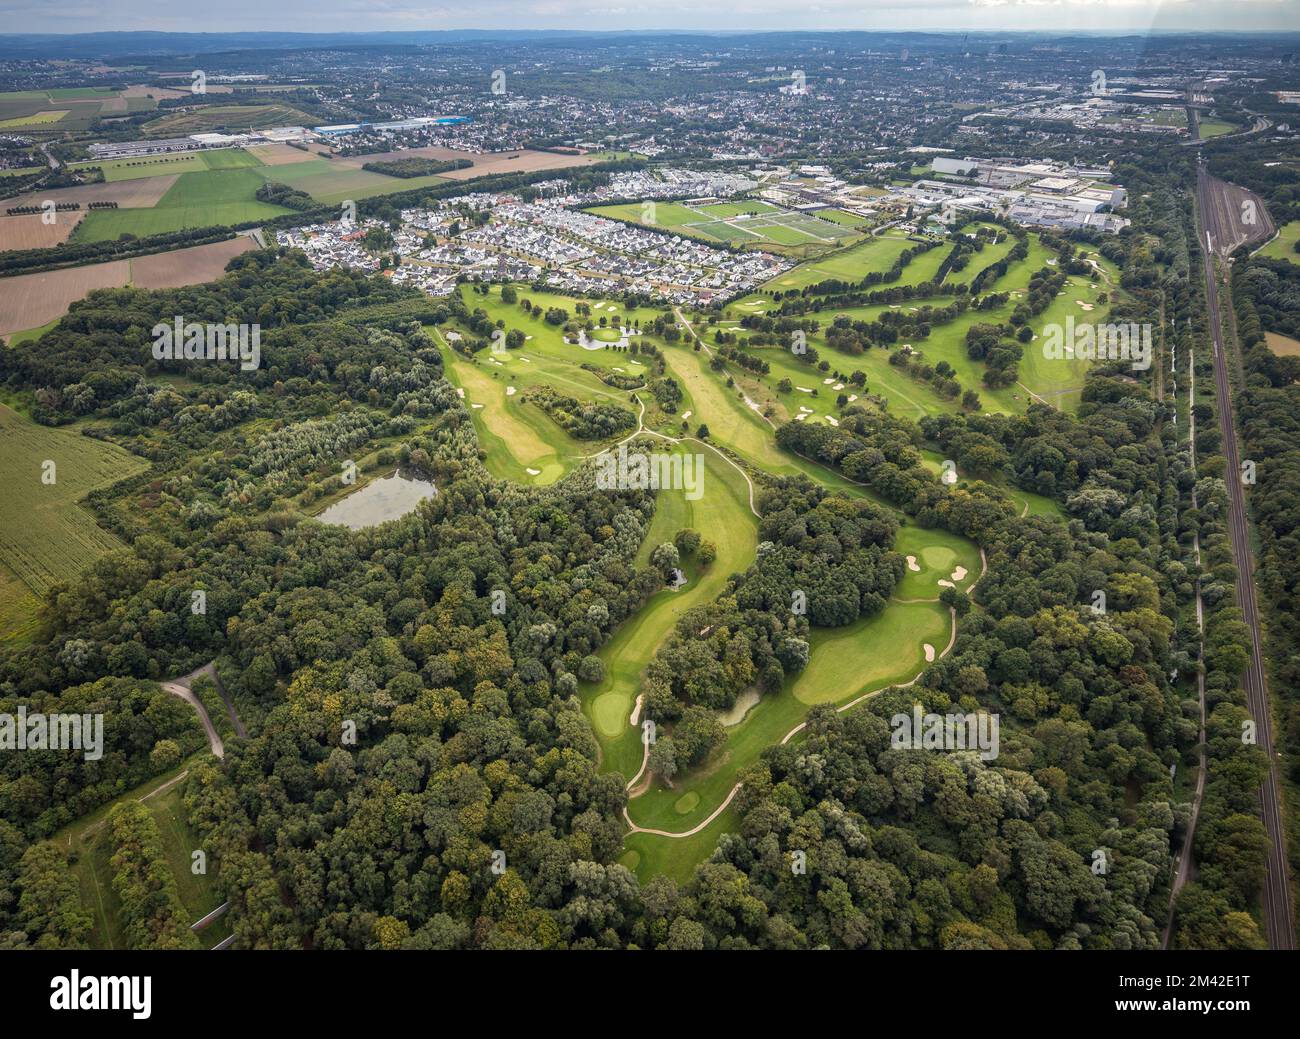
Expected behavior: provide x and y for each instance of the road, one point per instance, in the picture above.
(1277, 905)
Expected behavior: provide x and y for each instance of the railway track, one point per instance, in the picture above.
(1212, 201)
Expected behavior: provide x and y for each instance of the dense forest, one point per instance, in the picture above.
(418, 771)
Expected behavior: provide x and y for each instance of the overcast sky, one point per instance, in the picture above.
(18, 16)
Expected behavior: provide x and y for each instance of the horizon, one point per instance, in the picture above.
(946, 17)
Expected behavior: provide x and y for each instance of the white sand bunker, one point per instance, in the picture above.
(929, 652)
(510, 391)
(636, 711)
(535, 472)
(852, 397)
(827, 382)
(476, 405)
(959, 574)
(460, 392)
(832, 421)
(838, 386)
(522, 358)
(803, 389)
(946, 584)
(1084, 306)
(528, 337)
(801, 416)
(804, 407)
(686, 415)
(913, 565)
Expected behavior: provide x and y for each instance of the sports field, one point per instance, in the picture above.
(748, 221)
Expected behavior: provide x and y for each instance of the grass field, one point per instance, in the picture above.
(89, 839)
(45, 535)
(210, 198)
(1282, 247)
(36, 119)
(163, 165)
(722, 515)
(746, 221)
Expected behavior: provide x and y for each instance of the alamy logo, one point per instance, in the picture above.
(657, 471)
(95, 993)
(25, 731)
(208, 342)
(917, 731)
(1099, 342)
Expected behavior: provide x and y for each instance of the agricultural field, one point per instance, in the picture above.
(37, 301)
(215, 197)
(46, 536)
(220, 118)
(30, 231)
(32, 300)
(746, 222)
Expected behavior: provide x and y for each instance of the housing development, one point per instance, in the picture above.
(658, 490)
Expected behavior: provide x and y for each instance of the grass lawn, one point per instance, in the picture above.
(1283, 244)
(721, 514)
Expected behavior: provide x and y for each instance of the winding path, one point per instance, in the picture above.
(952, 641)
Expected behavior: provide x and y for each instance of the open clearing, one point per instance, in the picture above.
(45, 535)
(1282, 247)
(1283, 346)
(747, 221)
(90, 839)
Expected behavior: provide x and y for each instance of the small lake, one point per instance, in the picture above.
(378, 501)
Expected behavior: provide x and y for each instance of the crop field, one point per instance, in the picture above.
(45, 534)
(36, 119)
(208, 199)
(217, 118)
(30, 231)
(31, 300)
(140, 193)
(190, 266)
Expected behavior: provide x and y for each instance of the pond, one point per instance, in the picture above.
(378, 501)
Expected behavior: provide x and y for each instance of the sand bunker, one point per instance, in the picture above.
(801, 416)
(686, 415)
(913, 565)
(510, 391)
(959, 574)
(852, 397)
(460, 393)
(476, 405)
(803, 389)
(636, 708)
(538, 472)
(946, 584)
(743, 705)
(832, 421)
(929, 652)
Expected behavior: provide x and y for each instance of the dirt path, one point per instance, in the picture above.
(181, 687)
